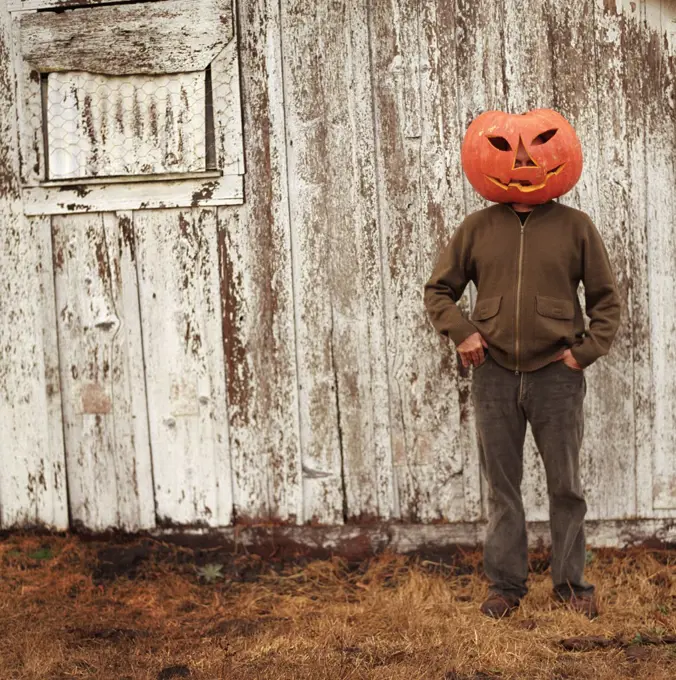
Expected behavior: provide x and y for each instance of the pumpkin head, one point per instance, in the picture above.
(521, 158)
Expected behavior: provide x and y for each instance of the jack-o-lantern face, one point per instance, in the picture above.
(521, 158)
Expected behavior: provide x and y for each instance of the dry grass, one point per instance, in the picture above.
(73, 609)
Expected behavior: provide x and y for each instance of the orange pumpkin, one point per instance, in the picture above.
(521, 158)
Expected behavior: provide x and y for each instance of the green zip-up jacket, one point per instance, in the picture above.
(527, 277)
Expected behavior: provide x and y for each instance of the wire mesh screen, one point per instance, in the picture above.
(106, 126)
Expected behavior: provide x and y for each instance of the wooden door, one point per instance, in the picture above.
(129, 147)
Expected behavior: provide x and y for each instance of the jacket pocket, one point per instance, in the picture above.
(554, 308)
(486, 308)
(488, 322)
(554, 323)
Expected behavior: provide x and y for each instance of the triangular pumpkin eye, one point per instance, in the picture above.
(544, 137)
(500, 143)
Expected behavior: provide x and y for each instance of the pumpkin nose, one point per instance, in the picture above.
(522, 159)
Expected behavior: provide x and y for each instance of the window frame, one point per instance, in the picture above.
(222, 185)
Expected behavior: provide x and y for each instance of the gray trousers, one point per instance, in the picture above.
(551, 400)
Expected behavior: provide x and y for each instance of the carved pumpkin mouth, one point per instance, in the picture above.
(524, 184)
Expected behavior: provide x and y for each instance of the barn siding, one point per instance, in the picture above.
(257, 291)
(102, 372)
(290, 372)
(661, 158)
(33, 473)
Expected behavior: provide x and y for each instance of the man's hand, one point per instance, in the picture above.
(570, 361)
(471, 350)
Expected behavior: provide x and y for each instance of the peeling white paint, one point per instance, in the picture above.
(272, 360)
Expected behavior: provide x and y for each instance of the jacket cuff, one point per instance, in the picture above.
(585, 354)
(461, 331)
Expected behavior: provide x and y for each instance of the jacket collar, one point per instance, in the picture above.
(537, 209)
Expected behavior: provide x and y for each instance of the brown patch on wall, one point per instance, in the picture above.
(127, 235)
(610, 6)
(239, 378)
(204, 194)
(94, 400)
(101, 256)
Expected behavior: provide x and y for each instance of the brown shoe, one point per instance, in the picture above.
(583, 603)
(496, 605)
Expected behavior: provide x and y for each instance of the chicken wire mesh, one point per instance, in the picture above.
(106, 126)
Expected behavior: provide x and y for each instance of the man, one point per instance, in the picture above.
(527, 342)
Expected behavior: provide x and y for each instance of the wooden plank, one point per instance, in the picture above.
(479, 57)
(29, 114)
(210, 192)
(100, 348)
(575, 95)
(398, 164)
(668, 25)
(571, 26)
(528, 85)
(454, 482)
(177, 264)
(635, 42)
(362, 542)
(418, 177)
(257, 293)
(33, 487)
(101, 125)
(343, 402)
(527, 57)
(157, 37)
(609, 464)
(324, 492)
(661, 152)
(32, 480)
(373, 441)
(24, 5)
(227, 110)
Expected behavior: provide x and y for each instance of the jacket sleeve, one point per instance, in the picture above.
(445, 287)
(602, 300)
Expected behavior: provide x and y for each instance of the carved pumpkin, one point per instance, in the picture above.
(521, 158)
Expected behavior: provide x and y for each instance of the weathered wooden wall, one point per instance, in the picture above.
(273, 361)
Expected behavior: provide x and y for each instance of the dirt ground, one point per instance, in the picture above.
(149, 610)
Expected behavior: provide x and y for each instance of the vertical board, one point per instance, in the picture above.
(480, 83)
(227, 111)
(610, 464)
(635, 91)
(33, 476)
(33, 484)
(29, 113)
(373, 441)
(257, 292)
(572, 39)
(342, 376)
(455, 485)
(480, 60)
(575, 94)
(661, 180)
(417, 147)
(179, 291)
(528, 85)
(101, 361)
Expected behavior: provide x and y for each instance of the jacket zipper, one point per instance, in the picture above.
(518, 287)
